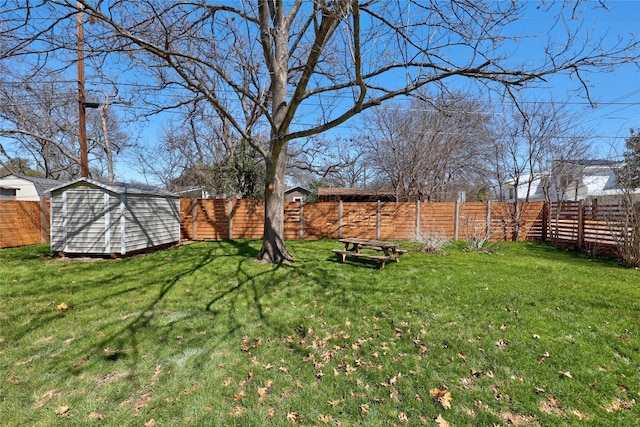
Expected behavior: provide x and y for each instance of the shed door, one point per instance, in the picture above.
(85, 221)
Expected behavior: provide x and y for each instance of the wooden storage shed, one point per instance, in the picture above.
(108, 218)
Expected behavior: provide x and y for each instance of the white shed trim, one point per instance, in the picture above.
(123, 224)
(107, 223)
(64, 221)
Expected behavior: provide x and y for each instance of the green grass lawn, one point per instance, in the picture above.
(202, 334)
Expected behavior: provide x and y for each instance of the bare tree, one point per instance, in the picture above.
(429, 148)
(273, 64)
(319, 161)
(38, 118)
(537, 151)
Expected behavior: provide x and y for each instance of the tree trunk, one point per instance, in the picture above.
(276, 45)
(273, 247)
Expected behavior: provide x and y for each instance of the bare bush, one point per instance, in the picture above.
(625, 230)
(433, 242)
(479, 237)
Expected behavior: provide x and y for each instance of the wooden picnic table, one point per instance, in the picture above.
(354, 246)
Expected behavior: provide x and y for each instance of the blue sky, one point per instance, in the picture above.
(615, 94)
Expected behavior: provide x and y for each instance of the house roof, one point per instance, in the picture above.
(118, 187)
(593, 162)
(299, 189)
(42, 185)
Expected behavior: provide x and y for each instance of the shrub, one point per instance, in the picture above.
(433, 242)
(478, 237)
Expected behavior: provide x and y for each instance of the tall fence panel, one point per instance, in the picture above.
(321, 220)
(438, 217)
(23, 223)
(598, 228)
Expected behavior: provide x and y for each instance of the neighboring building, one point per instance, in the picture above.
(327, 194)
(28, 187)
(104, 218)
(7, 193)
(587, 179)
(296, 194)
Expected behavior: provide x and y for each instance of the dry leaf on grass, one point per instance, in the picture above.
(63, 307)
(151, 423)
(443, 397)
(293, 417)
(618, 404)
(325, 419)
(63, 410)
(271, 413)
(263, 392)
(237, 411)
(96, 416)
(441, 421)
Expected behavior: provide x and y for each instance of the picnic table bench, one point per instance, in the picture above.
(353, 247)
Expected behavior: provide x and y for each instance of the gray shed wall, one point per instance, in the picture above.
(97, 221)
(151, 222)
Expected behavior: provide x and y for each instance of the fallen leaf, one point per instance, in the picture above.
(62, 410)
(403, 417)
(237, 411)
(97, 416)
(566, 374)
(263, 392)
(364, 408)
(293, 417)
(150, 423)
(443, 397)
(239, 396)
(441, 421)
(325, 419)
(271, 413)
(618, 404)
(62, 307)
(535, 336)
(579, 415)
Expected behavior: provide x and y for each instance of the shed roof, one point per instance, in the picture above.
(42, 185)
(118, 188)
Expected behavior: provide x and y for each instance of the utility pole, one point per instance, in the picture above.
(82, 121)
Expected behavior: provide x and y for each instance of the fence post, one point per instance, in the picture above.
(301, 220)
(418, 217)
(340, 219)
(456, 222)
(194, 221)
(378, 221)
(489, 218)
(230, 217)
(581, 224)
(545, 221)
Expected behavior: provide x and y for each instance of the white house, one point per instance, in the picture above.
(578, 180)
(28, 187)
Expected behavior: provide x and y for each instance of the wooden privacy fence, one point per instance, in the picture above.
(585, 226)
(203, 219)
(23, 223)
(590, 226)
